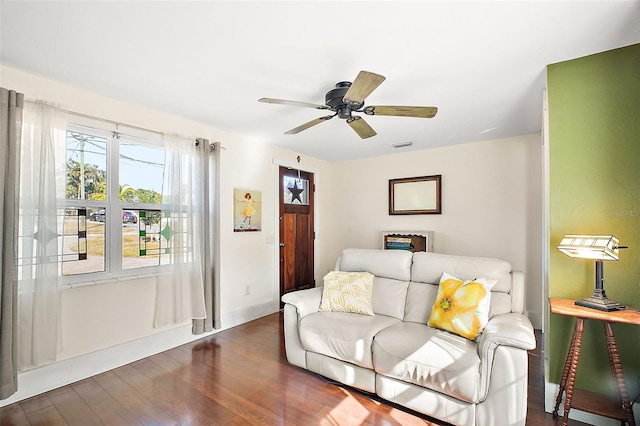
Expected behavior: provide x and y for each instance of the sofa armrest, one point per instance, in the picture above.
(305, 301)
(512, 330)
(297, 305)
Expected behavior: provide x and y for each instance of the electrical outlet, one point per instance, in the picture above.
(247, 290)
(270, 239)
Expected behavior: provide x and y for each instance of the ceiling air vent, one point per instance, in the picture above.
(401, 144)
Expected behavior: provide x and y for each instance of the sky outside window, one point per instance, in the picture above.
(142, 167)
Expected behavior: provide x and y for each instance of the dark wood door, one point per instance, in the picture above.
(296, 230)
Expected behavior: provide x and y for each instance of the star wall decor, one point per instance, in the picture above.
(295, 192)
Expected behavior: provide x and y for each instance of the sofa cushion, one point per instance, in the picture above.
(347, 292)
(389, 297)
(395, 264)
(462, 307)
(428, 268)
(420, 299)
(427, 357)
(344, 336)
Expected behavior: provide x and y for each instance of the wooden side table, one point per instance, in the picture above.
(591, 402)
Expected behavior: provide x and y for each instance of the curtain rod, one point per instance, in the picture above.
(93, 117)
(131, 126)
(117, 123)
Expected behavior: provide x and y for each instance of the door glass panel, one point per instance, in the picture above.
(296, 191)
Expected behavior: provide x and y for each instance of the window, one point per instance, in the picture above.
(113, 217)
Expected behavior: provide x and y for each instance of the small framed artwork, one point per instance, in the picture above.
(417, 195)
(247, 210)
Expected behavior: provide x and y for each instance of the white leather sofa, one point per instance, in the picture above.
(395, 355)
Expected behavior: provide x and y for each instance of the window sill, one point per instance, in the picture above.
(109, 281)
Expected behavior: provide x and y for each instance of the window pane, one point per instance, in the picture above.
(177, 239)
(141, 238)
(141, 173)
(158, 238)
(86, 166)
(83, 241)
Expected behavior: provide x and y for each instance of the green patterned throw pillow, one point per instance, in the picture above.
(347, 292)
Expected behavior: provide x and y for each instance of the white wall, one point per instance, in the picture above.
(247, 258)
(117, 317)
(491, 203)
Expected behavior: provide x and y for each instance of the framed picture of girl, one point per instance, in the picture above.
(247, 210)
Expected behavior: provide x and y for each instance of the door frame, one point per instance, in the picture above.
(275, 253)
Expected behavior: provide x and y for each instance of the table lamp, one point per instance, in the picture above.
(598, 248)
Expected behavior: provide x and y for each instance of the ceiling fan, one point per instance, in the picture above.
(347, 98)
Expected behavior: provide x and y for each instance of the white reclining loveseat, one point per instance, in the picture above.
(395, 354)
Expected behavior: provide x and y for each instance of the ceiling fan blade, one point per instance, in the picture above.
(361, 127)
(365, 83)
(311, 123)
(402, 111)
(292, 103)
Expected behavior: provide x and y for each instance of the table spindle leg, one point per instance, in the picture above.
(616, 372)
(567, 367)
(573, 368)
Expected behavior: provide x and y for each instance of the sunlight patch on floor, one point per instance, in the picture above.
(348, 411)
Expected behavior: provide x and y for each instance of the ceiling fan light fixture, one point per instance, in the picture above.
(402, 144)
(344, 112)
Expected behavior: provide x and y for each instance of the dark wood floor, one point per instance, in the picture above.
(239, 376)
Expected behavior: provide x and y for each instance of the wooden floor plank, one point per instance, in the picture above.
(235, 377)
(72, 408)
(147, 412)
(49, 416)
(90, 391)
(13, 415)
(36, 403)
(111, 412)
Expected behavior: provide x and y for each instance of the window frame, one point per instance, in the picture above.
(112, 204)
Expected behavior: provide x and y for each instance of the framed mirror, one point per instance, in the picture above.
(417, 195)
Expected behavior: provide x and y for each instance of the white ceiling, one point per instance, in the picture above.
(481, 63)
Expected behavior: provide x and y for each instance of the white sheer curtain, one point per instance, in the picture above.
(41, 206)
(180, 291)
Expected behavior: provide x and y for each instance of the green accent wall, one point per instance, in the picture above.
(594, 166)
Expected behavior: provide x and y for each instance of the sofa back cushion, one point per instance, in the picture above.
(389, 297)
(428, 267)
(395, 264)
(420, 300)
(392, 271)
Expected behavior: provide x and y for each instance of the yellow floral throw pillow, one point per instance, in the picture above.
(347, 292)
(462, 307)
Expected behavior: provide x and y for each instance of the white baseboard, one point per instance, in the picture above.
(550, 393)
(232, 319)
(62, 373)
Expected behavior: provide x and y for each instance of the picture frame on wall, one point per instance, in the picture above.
(415, 195)
(247, 210)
